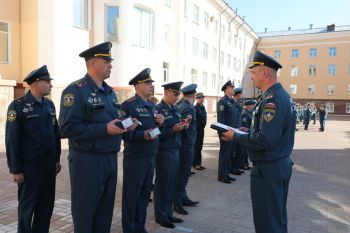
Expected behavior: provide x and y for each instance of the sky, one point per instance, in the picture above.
(277, 15)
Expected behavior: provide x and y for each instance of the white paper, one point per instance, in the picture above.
(229, 128)
(127, 122)
(154, 133)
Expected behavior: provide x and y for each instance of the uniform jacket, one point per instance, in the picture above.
(172, 116)
(273, 127)
(188, 137)
(85, 111)
(32, 135)
(228, 112)
(134, 142)
(201, 117)
(246, 118)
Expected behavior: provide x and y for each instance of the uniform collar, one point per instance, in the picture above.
(140, 101)
(171, 107)
(94, 87)
(270, 89)
(32, 99)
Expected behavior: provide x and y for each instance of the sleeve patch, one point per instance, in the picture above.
(11, 115)
(221, 107)
(68, 100)
(269, 114)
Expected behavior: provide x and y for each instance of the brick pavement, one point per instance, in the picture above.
(319, 198)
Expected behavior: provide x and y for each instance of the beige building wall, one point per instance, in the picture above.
(11, 14)
(303, 43)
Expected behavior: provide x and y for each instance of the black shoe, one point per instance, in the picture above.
(180, 210)
(224, 180)
(198, 167)
(174, 219)
(238, 173)
(247, 168)
(241, 171)
(165, 223)
(231, 178)
(202, 167)
(192, 173)
(189, 203)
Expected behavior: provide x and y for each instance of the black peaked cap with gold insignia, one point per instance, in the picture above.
(38, 74)
(102, 50)
(143, 77)
(173, 86)
(261, 59)
(227, 84)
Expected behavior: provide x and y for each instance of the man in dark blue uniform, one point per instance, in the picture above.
(167, 159)
(323, 115)
(201, 121)
(270, 143)
(226, 114)
(246, 120)
(140, 149)
(188, 139)
(236, 158)
(33, 149)
(88, 116)
(307, 116)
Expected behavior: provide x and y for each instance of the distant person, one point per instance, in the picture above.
(201, 121)
(323, 116)
(307, 116)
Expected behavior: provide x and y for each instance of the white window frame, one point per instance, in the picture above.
(81, 14)
(294, 70)
(205, 51)
(7, 33)
(332, 69)
(194, 75)
(331, 89)
(214, 53)
(206, 20)
(295, 53)
(195, 18)
(143, 38)
(195, 46)
(330, 107)
(109, 35)
(347, 108)
(222, 57)
(293, 89)
(312, 70)
(166, 35)
(278, 53)
(165, 72)
(311, 89)
(332, 51)
(313, 52)
(213, 81)
(205, 79)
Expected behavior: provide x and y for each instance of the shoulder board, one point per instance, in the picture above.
(131, 99)
(20, 100)
(80, 83)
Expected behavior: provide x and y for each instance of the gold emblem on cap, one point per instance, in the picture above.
(258, 63)
(145, 80)
(103, 54)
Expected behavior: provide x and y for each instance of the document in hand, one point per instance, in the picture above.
(223, 128)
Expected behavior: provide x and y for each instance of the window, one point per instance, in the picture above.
(206, 20)
(349, 69)
(234, 64)
(143, 28)
(216, 27)
(112, 25)
(222, 58)
(278, 53)
(194, 46)
(347, 108)
(167, 3)
(313, 52)
(332, 51)
(229, 34)
(193, 76)
(221, 81)
(213, 80)
(4, 42)
(330, 107)
(214, 54)
(293, 89)
(240, 44)
(312, 70)
(294, 71)
(185, 8)
(331, 70)
(222, 32)
(239, 63)
(205, 51)
(235, 41)
(166, 35)
(81, 14)
(311, 89)
(195, 14)
(228, 61)
(165, 72)
(295, 53)
(205, 79)
(185, 43)
(349, 89)
(331, 89)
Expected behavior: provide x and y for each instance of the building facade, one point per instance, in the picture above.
(316, 64)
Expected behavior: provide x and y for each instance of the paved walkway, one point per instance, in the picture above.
(319, 198)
